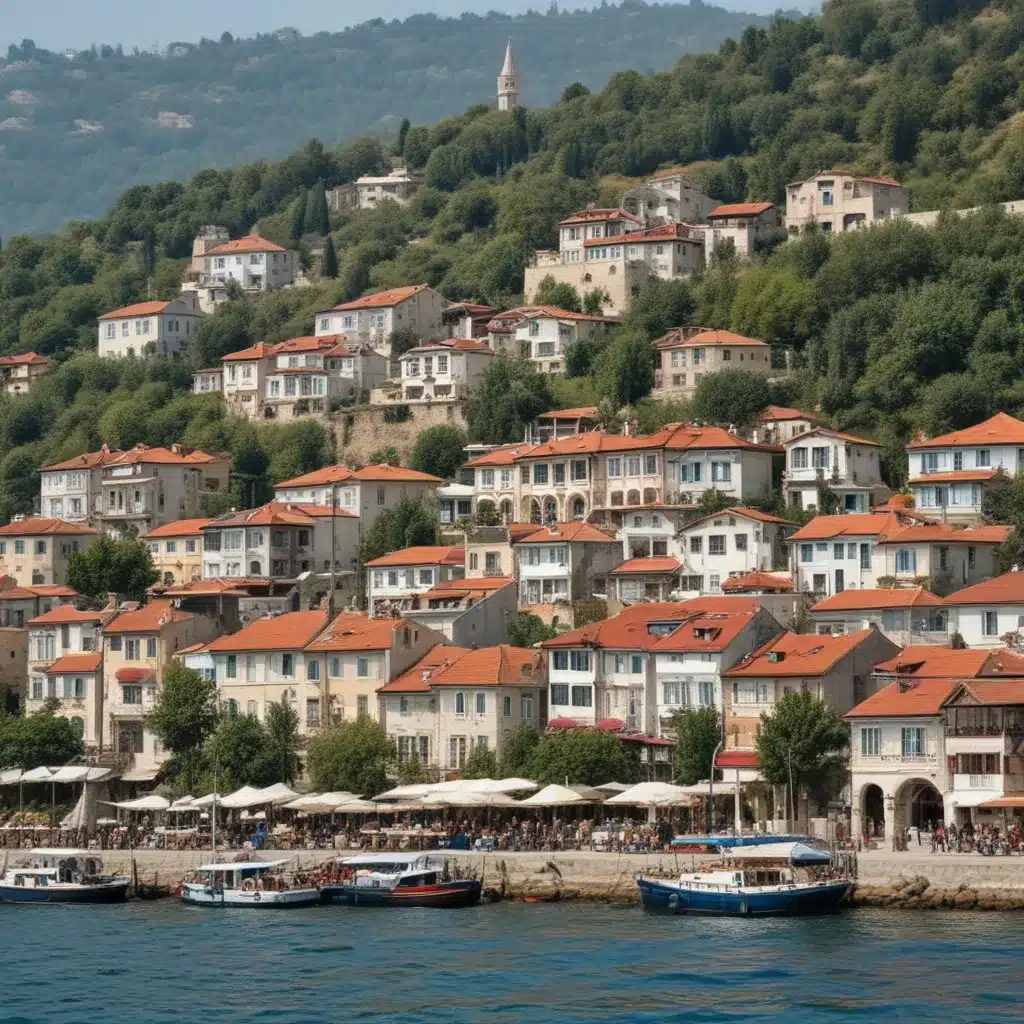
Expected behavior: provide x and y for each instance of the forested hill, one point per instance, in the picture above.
(76, 130)
(891, 329)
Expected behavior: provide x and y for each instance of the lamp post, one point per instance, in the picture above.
(711, 786)
(789, 761)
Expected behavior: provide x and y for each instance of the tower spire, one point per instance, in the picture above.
(508, 81)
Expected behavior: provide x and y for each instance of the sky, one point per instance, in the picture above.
(74, 24)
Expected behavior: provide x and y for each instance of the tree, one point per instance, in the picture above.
(730, 397)
(184, 716)
(584, 756)
(574, 92)
(282, 729)
(559, 294)
(40, 739)
(828, 502)
(526, 630)
(412, 771)
(595, 300)
(711, 501)
(401, 340)
(329, 266)
(109, 566)
(804, 741)
(698, 733)
(239, 749)
(507, 399)
(406, 524)
(317, 220)
(517, 753)
(624, 371)
(387, 455)
(354, 756)
(440, 451)
(482, 763)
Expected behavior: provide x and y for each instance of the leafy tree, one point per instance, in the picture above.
(317, 220)
(585, 756)
(827, 501)
(658, 306)
(729, 397)
(184, 716)
(526, 630)
(282, 729)
(711, 501)
(624, 371)
(387, 455)
(239, 750)
(574, 92)
(354, 756)
(40, 739)
(559, 294)
(698, 733)
(482, 763)
(401, 340)
(329, 265)
(439, 450)
(106, 566)
(509, 397)
(412, 771)
(406, 524)
(595, 300)
(517, 753)
(804, 741)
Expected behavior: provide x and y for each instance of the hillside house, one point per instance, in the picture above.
(155, 328)
(851, 466)
(686, 354)
(839, 201)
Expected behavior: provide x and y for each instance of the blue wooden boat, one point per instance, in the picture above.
(58, 875)
(760, 880)
(400, 880)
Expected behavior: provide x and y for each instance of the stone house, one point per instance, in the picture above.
(840, 201)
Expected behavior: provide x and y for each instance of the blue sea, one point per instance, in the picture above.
(511, 962)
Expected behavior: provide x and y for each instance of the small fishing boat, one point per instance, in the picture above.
(760, 880)
(400, 880)
(59, 875)
(249, 883)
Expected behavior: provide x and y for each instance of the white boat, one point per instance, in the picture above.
(61, 875)
(250, 883)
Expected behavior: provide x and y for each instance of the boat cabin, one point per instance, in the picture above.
(250, 874)
(66, 866)
(392, 870)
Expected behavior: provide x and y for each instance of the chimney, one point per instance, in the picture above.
(111, 605)
(176, 448)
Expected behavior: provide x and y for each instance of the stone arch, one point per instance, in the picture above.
(916, 803)
(633, 497)
(616, 498)
(872, 810)
(530, 512)
(550, 510)
(254, 568)
(650, 495)
(577, 507)
(505, 510)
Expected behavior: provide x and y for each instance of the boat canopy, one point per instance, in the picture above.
(244, 865)
(59, 851)
(730, 842)
(799, 854)
(376, 859)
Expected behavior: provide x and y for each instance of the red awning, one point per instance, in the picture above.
(737, 759)
(134, 675)
(611, 724)
(563, 723)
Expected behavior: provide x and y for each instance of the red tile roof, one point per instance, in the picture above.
(753, 581)
(852, 525)
(928, 662)
(648, 236)
(23, 359)
(349, 632)
(476, 587)
(15, 593)
(512, 318)
(903, 699)
(803, 654)
(66, 614)
(569, 532)
(179, 528)
(176, 455)
(279, 513)
(436, 554)
(150, 618)
(647, 567)
(251, 243)
(452, 345)
(999, 429)
(138, 309)
(131, 674)
(606, 213)
(781, 412)
(713, 631)
(868, 600)
(710, 338)
(87, 460)
(583, 412)
(991, 691)
(944, 533)
(838, 434)
(745, 511)
(261, 350)
(1005, 589)
(380, 300)
(378, 473)
(37, 526)
(491, 666)
(89, 662)
(740, 209)
(289, 632)
(503, 455)
(417, 678)
(956, 476)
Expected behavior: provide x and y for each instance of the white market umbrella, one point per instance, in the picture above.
(10, 777)
(357, 807)
(614, 787)
(553, 796)
(652, 794)
(413, 792)
(152, 802)
(496, 785)
(71, 773)
(276, 794)
(206, 801)
(247, 796)
(467, 798)
(39, 774)
(185, 803)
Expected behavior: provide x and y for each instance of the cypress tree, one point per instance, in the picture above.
(317, 221)
(329, 267)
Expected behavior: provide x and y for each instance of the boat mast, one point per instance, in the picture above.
(213, 814)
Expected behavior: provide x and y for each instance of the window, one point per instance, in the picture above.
(362, 667)
(906, 560)
(637, 664)
(132, 650)
(481, 703)
(870, 742)
(560, 660)
(913, 742)
(741, 542)
(865, 556)
(426, 577)
(560, 693)
(579, 661)
(615, 467)
(19, 547)
(540, 473)
(582, 697)
(460, 703)
(287, 664)
(716, 544)
(819, 458)
(456, 751)
(983, 457)
(650, 464)
(115, 643)
(696, 545)
(990, 623)
(506, 707)
(37, 688)
(151, 647)
(690, 472)
(559, 472)
(798, 458)
(313, 712)
(633, 465)
(131, 694)
(231, 669)
(362, 706)
(313, 670)
(838, 551)
(721, 472)
(706, 693)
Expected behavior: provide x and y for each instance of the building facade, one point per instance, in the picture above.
(687, 354)
(155, 328)
(747, 226)
(36, 551)
(177, 550)
(839, 201)
(849, 465)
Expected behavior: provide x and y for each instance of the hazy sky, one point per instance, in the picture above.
(60, 24)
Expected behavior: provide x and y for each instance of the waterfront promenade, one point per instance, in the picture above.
(610, 876)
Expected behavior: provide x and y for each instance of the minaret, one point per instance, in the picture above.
(508, 82)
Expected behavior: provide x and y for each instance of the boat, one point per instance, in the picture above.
(62, 875)
(760, 880)
(250, 883)
(400, 880)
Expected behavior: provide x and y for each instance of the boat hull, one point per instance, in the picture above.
(204, 896)
(105, 892)
(460, 893)
(673, 898)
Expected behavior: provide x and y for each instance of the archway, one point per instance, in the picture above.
(616, 499)
(550, 510)
(633, 497)
(577, 507)
(505, 509)
(917, 804)
(531, 510)
(872, 802)
(254, 568)
(650, 495)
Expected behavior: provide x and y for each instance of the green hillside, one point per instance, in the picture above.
(75, 132)
(891, 329)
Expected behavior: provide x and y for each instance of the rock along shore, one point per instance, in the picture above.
(895, 881)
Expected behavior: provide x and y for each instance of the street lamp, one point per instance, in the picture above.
(711, 786)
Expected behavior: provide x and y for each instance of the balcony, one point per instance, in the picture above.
(993, 783)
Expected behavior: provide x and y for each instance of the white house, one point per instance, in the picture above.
(455, 699)
(746, 225)
(564, 562)
(398, 186)
(395, 579)
(950, 557)
(252, 263)
(668, 196)
(730, 543)
(987, 612)
(849, 465)
(949, 473)
(155, 328)
(778, 424)
(686, 354)
(906, 615)
(439, 371)
(667, 251)
(542, 333)
(372, 319)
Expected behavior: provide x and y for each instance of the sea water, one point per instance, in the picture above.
(508, 962)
